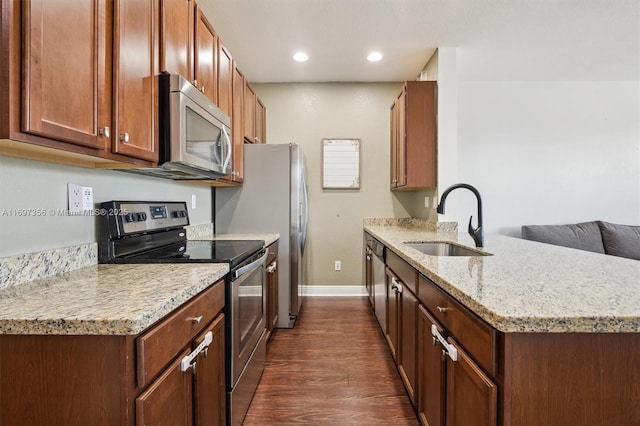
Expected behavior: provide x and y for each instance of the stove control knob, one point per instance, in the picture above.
(179, 213)
(130, 217)
(141, 217)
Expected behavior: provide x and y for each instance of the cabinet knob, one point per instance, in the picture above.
(202, 89)
(196, 320)
(124, 137)
(443, 309)
(195, 83)
(105, 131)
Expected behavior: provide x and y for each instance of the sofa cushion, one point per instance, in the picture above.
(583, 236)
(621, 240)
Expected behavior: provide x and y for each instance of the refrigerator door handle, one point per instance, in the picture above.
(304, 212)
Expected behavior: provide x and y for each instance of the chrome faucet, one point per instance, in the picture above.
(476, 233)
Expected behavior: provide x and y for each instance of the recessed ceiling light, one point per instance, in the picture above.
(300, 57)
(374, 56)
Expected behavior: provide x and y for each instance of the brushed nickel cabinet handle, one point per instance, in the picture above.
(105, 131)
(124, 137)
(443, 309)
(196, 320)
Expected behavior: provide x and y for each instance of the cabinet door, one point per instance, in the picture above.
(237, 126)
(431, 372)
(169, 400)
(225, 83)
(249, 113)
(205, 57)
(136, 85)
(177, 37)
(394, 145)
(260, 125)
(408, 341)
(471, 395)
(67, 70)
(210, 391)
(393, 325)
(401, 147)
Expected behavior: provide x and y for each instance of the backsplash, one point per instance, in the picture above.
(427, 225)
(199, 232)
(27, 267)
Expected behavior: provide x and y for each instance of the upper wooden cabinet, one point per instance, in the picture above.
(413, 136)
(249, 113)
(254, 116)
(135, 79)
(67, 97)
(177, 37)
(260, 122)
(80, 83)
(225, 83)
(237, 127)
(205, 56)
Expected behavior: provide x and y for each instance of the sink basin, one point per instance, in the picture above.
(444, 249)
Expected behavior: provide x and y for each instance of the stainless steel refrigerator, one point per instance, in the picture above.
(272, 199)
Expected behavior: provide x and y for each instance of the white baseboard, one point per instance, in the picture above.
(333, 290)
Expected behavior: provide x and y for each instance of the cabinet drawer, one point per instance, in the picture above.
(473, 334)
(272, 252)
(158, 346)
(404, 271)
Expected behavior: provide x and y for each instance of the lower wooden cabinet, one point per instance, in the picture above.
(469, 373)
(392, 334)
(408, 356)
(191, 396)
(471, 398)
(209, 380)
(169, 399)
(431, 372)
(118, 380)
(451, 392)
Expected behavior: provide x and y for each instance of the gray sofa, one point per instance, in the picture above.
(597, 236)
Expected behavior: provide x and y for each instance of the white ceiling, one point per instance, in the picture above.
(495, 39)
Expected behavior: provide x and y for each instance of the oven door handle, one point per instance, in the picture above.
(250, 267)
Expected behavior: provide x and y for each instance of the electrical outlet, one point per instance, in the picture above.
(80, 197)
(193, 201)
(426, 202)
(87, 198)
(338, 265)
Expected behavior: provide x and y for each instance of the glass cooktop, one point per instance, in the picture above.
(233, 252)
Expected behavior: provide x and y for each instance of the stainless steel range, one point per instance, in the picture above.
(153, 232)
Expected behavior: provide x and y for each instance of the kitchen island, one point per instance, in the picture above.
(551, 335)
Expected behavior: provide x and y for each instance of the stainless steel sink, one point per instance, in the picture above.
(444, 249)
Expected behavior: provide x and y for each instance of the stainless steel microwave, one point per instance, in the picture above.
(194, 134)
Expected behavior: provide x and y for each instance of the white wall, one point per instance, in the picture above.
(35, 185)
(550, 152)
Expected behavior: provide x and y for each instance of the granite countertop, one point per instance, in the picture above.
(45, 294)
(103, 299)
(527, 286)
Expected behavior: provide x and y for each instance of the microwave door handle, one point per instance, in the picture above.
(228, 156)
(250, 267)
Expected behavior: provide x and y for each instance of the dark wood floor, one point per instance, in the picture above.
(333, 368)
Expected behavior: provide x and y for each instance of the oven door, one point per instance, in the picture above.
(247, 312)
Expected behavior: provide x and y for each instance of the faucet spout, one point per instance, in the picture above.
(476, 233)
